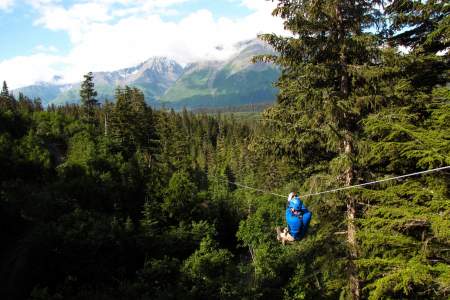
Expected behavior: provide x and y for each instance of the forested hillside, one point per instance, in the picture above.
(122, 201)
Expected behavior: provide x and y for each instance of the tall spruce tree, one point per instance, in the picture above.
(122, 118)
(352, 108)
(88, 100)
(405, 228)
(7, 101)
(330, 68)
(5, 90)
(132, 122)
(404, 232)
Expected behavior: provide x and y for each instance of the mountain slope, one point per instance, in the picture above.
(153, 77)
(236, 81)
(196, 81)
(45, 91)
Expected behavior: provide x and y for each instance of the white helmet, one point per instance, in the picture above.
(291, 195)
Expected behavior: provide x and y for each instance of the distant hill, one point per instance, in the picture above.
(45, 91)
(153, 77)
(236, 81)
(233, 82)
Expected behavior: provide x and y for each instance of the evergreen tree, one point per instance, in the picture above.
(341, 95)
(403, 240)
(208, 270)
(7, 101)
(37, 102)
(88, 100)
(132, 122)
(402, 244)
(24, 103)
(5, 90)
(328, 84)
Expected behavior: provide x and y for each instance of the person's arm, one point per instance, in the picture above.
(303, 208)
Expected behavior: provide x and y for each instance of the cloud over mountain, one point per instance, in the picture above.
(102, 31)
(204, 83)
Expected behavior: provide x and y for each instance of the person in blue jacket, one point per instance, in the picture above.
(297, 219)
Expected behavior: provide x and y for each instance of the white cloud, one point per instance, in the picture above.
(76, 20)
(26, 70)
(6, 4)
(45, 49)
(104, 39)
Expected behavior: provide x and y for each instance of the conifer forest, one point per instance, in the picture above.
(124, 201)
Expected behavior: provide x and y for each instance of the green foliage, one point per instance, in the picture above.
(7, 101)
(132, 121)
(146, 206)
(349, 111)
(422, 26)
(179, 201)
(210, 271)
(87, 95)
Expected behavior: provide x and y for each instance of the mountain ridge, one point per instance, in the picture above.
(205, 83)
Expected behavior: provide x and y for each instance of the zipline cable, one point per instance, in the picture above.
(339, 189)
(377, 181)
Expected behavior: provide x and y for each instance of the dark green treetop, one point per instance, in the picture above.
(7, 101)
(88, 100)
(5, 91)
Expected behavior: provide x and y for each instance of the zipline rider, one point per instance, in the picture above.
(297, 219)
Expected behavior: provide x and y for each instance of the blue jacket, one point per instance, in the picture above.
(295, 222)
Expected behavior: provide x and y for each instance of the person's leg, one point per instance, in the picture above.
(305, 220)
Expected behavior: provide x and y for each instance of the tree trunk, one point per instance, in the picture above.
(106, 124)
(351, 228)
(349, 173)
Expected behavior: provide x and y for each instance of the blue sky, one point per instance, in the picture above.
(44, 38)
(20, 37)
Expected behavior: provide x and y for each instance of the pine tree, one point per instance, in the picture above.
(352, 108)
(141, 123)
(404, 232)
(175, 144)
(5, 90)
(24, 103)
(132, 122)
(88, 100)
(330, 73)
(122, 118)
(7, 101)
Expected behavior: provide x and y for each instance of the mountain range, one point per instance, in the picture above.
(231, 82)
